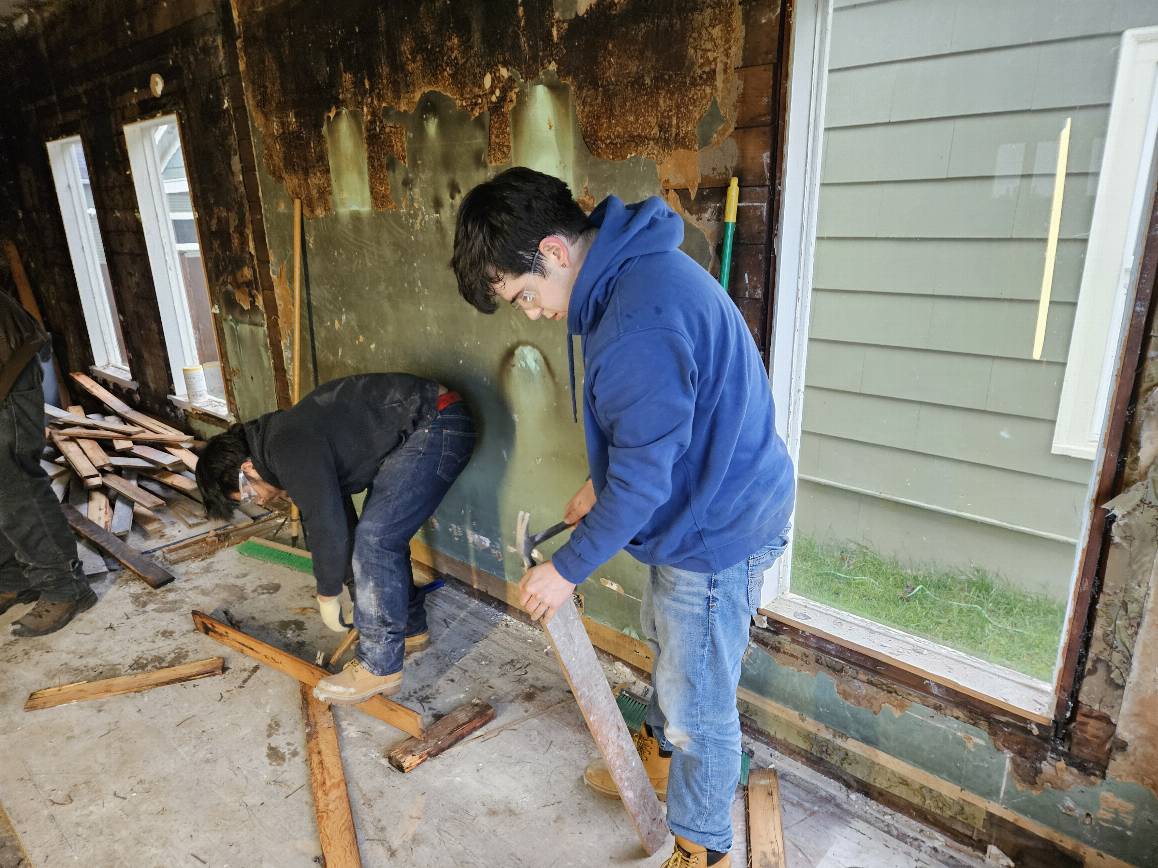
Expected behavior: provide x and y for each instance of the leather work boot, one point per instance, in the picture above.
(8, 599)
(48, 616)
(417, 642)
(688, 854)
(598, 777)
(356, 684)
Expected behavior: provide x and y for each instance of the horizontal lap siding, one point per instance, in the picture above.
(941, 129)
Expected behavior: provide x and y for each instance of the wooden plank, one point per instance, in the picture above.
(99, 510)
(52, 469)
(77, 460)
(147, 437)
(589, 685)
(149, 570)
(64, 417)
(122, 445)
(133, 492)
(120, 407)
(93, 452)
(176, 481)
(440, 736)
(335, 820)
(80, 691)
(765, 830)
(122, 521)
(149, 521)
(156, 456)
(130, 462)
(188, 458)
(396, 715)
(214, 540)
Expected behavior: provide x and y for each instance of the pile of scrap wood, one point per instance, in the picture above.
(117, 470)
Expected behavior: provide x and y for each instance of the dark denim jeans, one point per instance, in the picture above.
(697, 627)
(408, 488)
(37, 549)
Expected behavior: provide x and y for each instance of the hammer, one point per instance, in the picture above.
(526, 541)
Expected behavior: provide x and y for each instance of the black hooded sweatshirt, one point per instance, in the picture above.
(329, 446)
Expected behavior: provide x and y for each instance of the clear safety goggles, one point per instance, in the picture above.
(245, 488)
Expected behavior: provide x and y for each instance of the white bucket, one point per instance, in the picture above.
(195, 389)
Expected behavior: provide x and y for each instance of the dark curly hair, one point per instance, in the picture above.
(500, 224)
(217, 469)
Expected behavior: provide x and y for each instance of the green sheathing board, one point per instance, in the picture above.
(385, 299)
(1116, 817)
(940, 144)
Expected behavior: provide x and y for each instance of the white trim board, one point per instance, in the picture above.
(1125, 188)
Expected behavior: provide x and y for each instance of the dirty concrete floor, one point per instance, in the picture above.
(213, 772)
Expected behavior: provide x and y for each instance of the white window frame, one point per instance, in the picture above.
(1125, 186)
(84, 246)
(1004, 688)
(176, 319)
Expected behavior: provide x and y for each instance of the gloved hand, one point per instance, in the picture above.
(331, 609)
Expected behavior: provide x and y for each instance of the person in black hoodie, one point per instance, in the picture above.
(402, 439)
(38, 560)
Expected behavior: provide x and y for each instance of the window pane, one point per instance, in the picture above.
(931, 498)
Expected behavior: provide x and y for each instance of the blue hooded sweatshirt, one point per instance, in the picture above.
(686, 463)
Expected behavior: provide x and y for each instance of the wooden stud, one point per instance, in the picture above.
(765, 829)
(149, 570)
(79, 691)
(396, 715)
(93, 452)
(335, 820)
(133, 492)
(442, 735)
(156, 456)
(99, 510)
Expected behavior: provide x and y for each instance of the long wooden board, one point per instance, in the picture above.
(80, 691)
(64, 417)
(188, 458)
(120, 407)
(148, 436)
(396, 715)
(589, 685)
(156, 456)
(134, 493)
(93, 452)
(76, 459)
(99, 510)
(765, 829)
(177, 482)
(122, 520)
(154, 575)
(129, 462)
(336, 831)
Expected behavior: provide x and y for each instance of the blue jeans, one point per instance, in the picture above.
(407, 489)
(697, 627)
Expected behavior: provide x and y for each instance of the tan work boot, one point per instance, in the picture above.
(598, 777)
(48, 616)
(356, 684)
(417, 642)
(688, 854)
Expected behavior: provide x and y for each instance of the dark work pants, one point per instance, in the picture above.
(37, 549)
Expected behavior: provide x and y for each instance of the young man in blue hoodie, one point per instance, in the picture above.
(687, 471)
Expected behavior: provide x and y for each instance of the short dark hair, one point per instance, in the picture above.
(217, 468)
(500, 224)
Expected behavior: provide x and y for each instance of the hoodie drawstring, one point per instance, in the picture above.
(571, 370)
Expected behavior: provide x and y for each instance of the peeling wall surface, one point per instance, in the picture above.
(380, 117)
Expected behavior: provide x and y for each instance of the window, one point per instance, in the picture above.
(168, 218)
(1115, 237)
(935, 291)
(85, 248)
